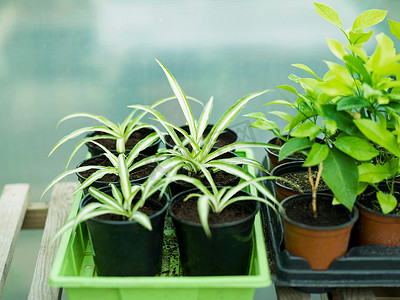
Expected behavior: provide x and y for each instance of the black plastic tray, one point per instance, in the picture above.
(361, 266)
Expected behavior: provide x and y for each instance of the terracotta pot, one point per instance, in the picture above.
(283, 191)
(273, 157)
(377, 228)
(318, 245)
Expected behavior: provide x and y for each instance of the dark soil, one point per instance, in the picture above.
(300, 210)
(221, 178)
(151, 206)
(301, 179)
(103, 161)
(188, 211)
(368, 199)
(225, 138)
(134, 138)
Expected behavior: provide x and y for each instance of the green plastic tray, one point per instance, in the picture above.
(75, 271)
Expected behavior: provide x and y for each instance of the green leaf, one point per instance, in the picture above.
(203, 120)
(106, 199)
(284, 102)
(352, 102)
(123, 174)
(289, 89)
(317, 154)
(358, 65)
(203, 208)
(356, 147)
(227, 118)
(331, 126)
(373, 173)
(395, 28)
(341, 175)
(294, 145)
(357, 38)
(305, 68)
(379, 135)
(336, 48)
(386, 201)
(307, 129)
(362, 186)
(100, 119)
(265, 125)
(142, 219)
(183, 102)
(343, 120)
(328, 14)
(287, 117)
(369, 18)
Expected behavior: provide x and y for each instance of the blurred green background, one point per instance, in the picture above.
(60, 57)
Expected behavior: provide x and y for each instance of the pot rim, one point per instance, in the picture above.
(106, 182)
(396, 187)
(179, 197)
(362, 206)
(110, 222)
(354, 215)
(288, 164)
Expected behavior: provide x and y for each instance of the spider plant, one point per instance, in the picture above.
(212, 198)
(120, 202)
(115, 168)
(202, 155)
(119, 132)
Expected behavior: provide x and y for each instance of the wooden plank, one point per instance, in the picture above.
(36, 214)
(355, 294)
(59, 208)
(13, 204)
(288, 293)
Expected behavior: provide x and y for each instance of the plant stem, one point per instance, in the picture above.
(314, 187)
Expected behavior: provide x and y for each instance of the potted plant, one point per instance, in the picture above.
(126, 229)
(93, 171)
(201, 159)
(365, 89)
(214, 225)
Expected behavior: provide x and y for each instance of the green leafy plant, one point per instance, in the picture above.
(119, 132)
(363, 101)
(121, 202)
(202, 159)
(211, 198)
(354, 107)
(130, 163)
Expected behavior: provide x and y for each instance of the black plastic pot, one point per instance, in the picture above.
(98, 183)
(152, 149)
(227, 252)
(125, 248)
(227, 137)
